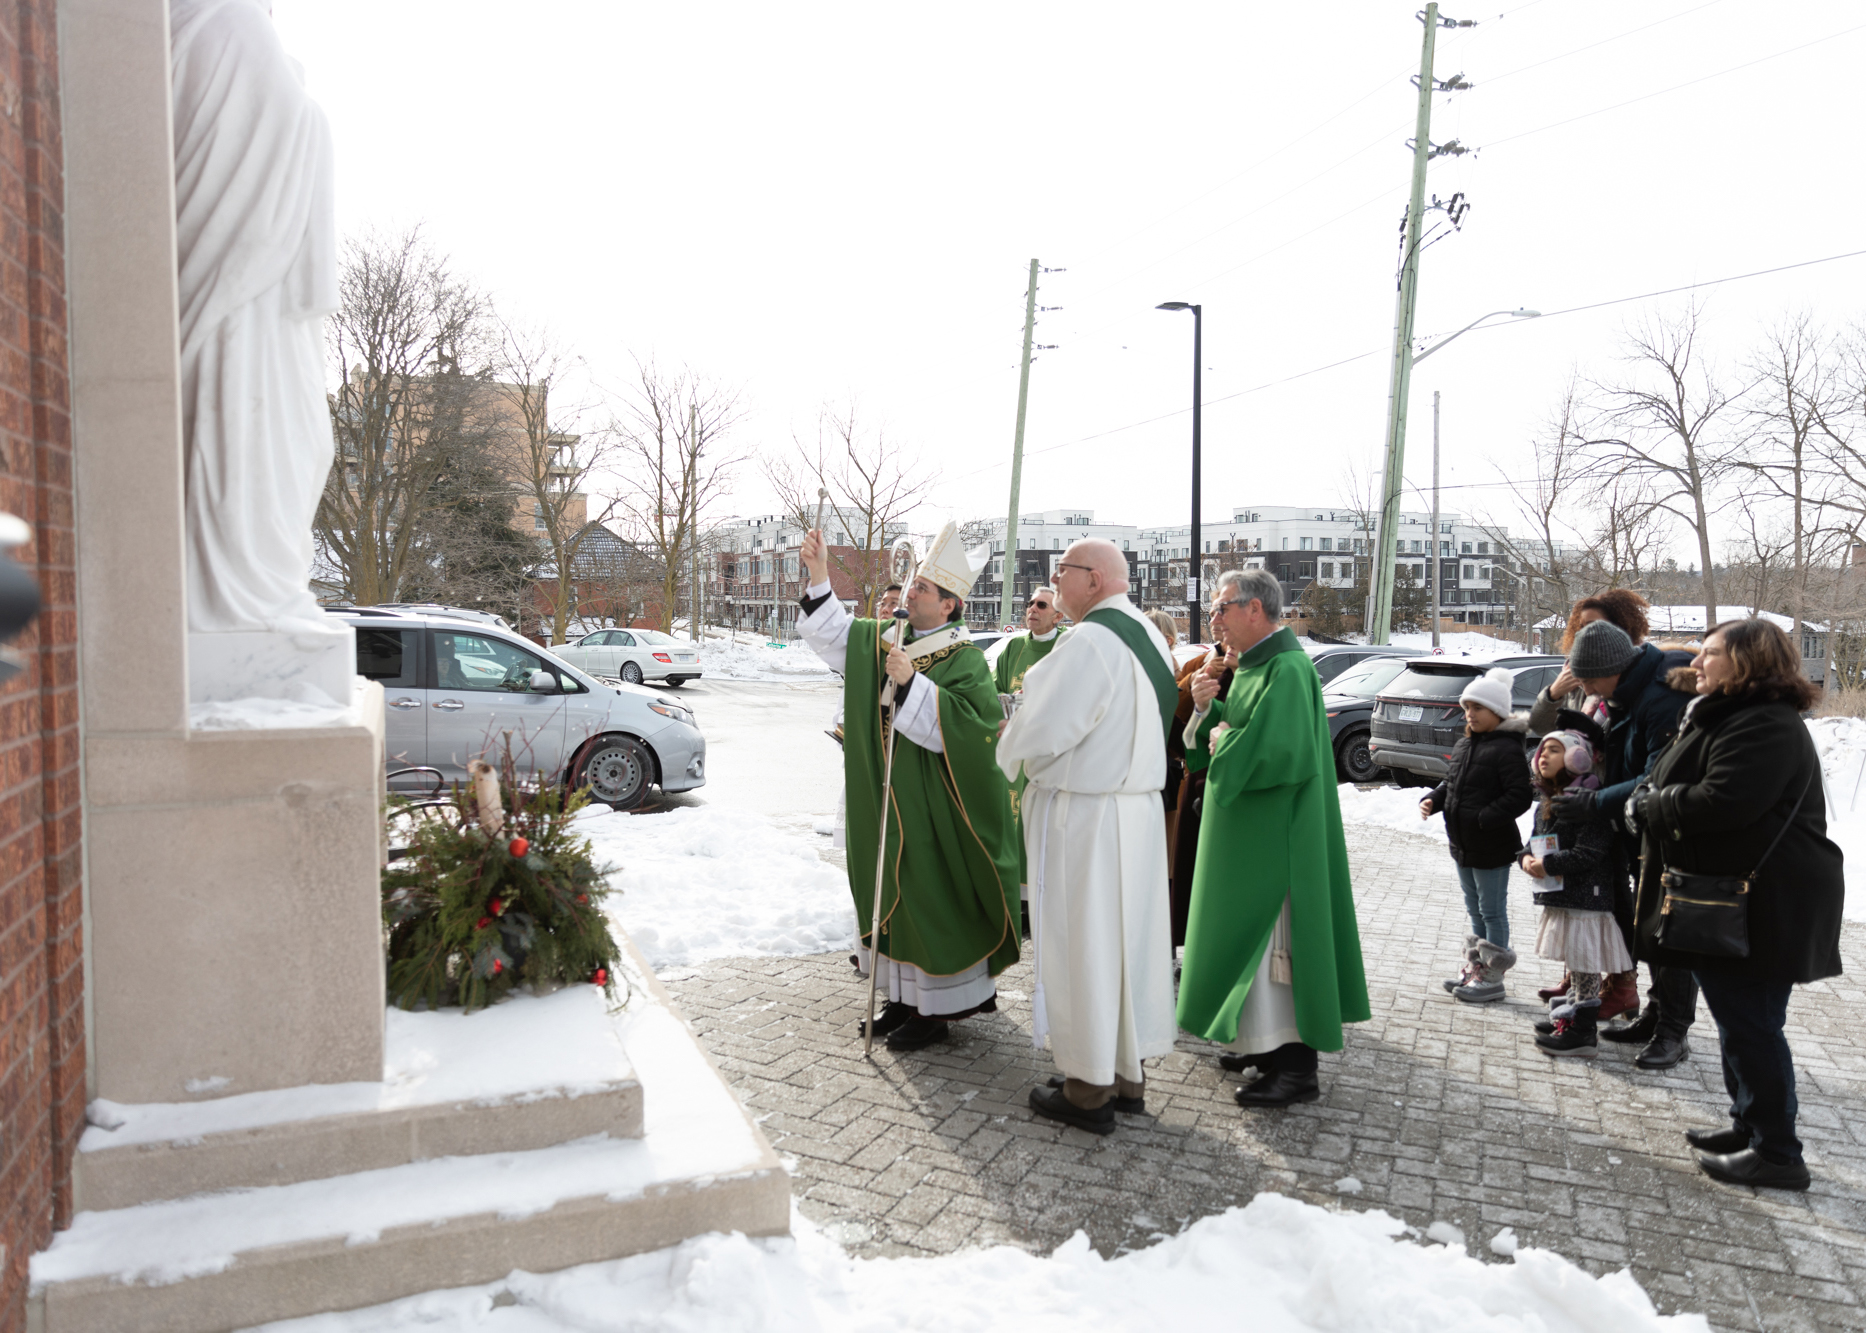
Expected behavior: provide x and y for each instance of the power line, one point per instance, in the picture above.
(1703, 78)
(1362, 356)
(1491, 79)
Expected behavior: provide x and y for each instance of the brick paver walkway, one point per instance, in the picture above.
(1442, 1112)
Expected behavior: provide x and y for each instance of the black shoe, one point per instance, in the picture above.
(1281, 1088)
(1665, 1051)
(1750, 1167)
(893, 1014)
(917, 1032)
(1125, 1105)
(855, 961)
(1237, 1064)
(1640, 1031)
(1051, 1104)
(1545, 1027)
(1718, 1140)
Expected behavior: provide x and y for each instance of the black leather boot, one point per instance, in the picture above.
(1640, 1031)
(1718, 1140)
(1750, 1167)
(1667, 1049)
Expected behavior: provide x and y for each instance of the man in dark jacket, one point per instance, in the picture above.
(1643, 709)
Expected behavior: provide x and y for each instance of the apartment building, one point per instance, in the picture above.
(1299, 544)
(755, 577)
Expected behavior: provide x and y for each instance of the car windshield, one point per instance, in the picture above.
(1367, 679)
(653, 636)
(1413, 683)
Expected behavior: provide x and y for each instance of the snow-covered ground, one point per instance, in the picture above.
(707, 882)
(1276, 1264)
(748, 656)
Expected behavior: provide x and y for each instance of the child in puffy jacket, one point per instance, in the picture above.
(1486, 787)
(1579, 867)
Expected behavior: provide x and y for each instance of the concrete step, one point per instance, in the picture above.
(220, 1262)
(530, 1073)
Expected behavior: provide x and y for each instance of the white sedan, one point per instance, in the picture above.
(634, 655)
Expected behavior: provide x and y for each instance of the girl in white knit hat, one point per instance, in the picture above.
(1486, 787)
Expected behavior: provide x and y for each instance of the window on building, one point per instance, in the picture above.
(1483, 572)
(1285, 543)
(1308, 543)
(1123, 547)
(1305, 569)
(1444, 548)
(1056, 543)
(1328, 569)
(1444, 528)
(1328, 544)
(1282, 572)
(1470, 572)
(1483, 548)
(537, 515)
(1466, 550)
(1360, 546)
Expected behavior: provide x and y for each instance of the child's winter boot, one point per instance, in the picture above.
(1556, 991)
(1576, 1033)
(1487, 986)
(1620, 995)
(1468, 969)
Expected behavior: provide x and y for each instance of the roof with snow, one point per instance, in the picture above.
(1690, 619)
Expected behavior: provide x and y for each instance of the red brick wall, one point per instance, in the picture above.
(41, 944)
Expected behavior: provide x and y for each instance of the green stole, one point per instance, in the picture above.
(1132, 633)
(950, 886)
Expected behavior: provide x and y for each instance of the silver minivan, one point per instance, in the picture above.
(458, 690)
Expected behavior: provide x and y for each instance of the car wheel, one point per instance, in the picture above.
(676, 681)
(617, 770)
(631, 673)
(1353, 759)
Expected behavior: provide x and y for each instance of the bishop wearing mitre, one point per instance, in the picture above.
(949, 891)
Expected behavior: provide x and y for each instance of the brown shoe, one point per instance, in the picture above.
(1620, 995)
(1551, 992)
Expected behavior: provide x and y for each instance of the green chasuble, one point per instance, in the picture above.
(949, 891)
(1019, 655)
(1272, 829)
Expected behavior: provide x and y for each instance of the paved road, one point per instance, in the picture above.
(1441, 1111)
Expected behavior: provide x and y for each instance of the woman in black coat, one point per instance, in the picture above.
(1742, 770)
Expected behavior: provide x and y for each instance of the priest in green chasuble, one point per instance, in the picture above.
(949, 893)
(1044, 619)
(1273, 953)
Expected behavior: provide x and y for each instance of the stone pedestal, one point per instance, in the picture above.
(232, 929)
(309, 665)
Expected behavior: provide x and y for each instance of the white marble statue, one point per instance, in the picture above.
(257, 254)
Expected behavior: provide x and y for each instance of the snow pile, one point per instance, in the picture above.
(1841, 742)
(1292, 1266)
(702, 883)
(750, 657)
(1394, 808)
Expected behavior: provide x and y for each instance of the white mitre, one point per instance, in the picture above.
(949, 565)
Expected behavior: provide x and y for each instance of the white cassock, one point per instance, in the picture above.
(1088, 737)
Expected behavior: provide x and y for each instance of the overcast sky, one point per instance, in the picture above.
(816, 201)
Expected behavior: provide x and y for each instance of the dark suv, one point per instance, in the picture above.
(1331, 659)
(1417, 719)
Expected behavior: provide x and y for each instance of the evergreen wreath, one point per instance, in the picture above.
(495, 888)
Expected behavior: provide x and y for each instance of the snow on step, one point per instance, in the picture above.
(228, 1260)
(525, 1049)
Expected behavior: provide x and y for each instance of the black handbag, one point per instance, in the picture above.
(1709, 914)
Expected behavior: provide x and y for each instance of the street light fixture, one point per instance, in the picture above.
(1194, 565)
(1513, 314)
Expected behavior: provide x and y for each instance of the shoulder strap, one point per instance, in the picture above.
(1132, 633)
(1789, 822)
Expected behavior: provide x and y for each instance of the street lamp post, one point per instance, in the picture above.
(1380, 630)
(1194, 565)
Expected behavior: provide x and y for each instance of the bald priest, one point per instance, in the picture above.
(949, 893)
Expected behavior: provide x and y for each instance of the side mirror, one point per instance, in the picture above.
(543, 682)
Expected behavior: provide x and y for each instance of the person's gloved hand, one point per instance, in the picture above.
(1573, 805)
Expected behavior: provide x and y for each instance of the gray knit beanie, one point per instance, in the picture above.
(1601, 649)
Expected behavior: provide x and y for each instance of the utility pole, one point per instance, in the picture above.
(693, 525)
(1393, 474)
(1007, 584)
(1432, 579)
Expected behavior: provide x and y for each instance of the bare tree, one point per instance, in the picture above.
(550, 461)
(1799, 397)
(405, 413)
(1663, 422)
(677, 460)
(1627, 536)
(1553, 555)
(874, 482)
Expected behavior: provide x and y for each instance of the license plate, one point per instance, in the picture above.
(1411, 712)
(683, 657)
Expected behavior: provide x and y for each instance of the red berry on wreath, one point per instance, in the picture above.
(497, 967)
(484, 922)
(583, 897)
(518, 847)
(495, 907)
(601, 977)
